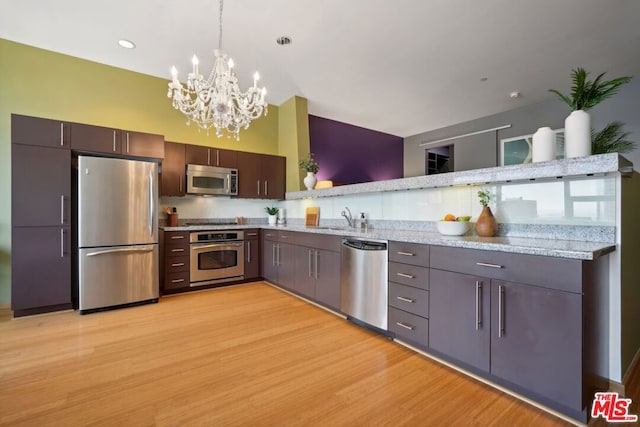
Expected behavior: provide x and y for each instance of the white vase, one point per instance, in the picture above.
(310, 180)
(577, 134)
(273, 219)
(544, 145)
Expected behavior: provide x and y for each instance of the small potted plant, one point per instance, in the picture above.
(272, 211)
(585, 94)
(486, 225)
(310, 166)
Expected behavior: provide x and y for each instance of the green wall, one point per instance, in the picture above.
(41, 83)
(293, 138)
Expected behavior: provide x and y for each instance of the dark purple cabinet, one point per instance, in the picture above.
(278, 258)
(261, 176)
(41, 132)
(40, 269)
(207, 156)
(327, 267)
(459, 320)
(41, 186)
(317, 269)
(98, 139)
(173, 177)
(305, 281)
(536, 340)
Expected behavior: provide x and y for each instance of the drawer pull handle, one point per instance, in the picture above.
(177, 264)
(252, 234)
(177, 250)
(177, 281)
(484, 264)
(406, 254)
(405, 275)
(284, 237)
(405, 299)
(177, 237)
(404, 325)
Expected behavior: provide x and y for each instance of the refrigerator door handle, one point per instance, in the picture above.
(151, 203)
(147, 248)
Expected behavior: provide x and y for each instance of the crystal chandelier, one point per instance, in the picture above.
(217, 101)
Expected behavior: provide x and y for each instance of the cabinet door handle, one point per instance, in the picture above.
(405, 275)
(266, 187)
(278, 255)
(478, 305)
(252, 234)
(484, 264)
(406, 326)
(114, 141)
(315, 267)
(62, 209)
(500, 311)
(177, 237)
(208, 156)
(177, 264)
(177, 250)
(177, 281)
(249, 252)
(180, 183)
(127, 142)
(62, 134)
(273, 255)
(62, 243)
(405, 253)
(217, 157)
(405, 299)
(310, 263)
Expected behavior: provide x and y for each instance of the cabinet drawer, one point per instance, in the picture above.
(409, 327)
(286, 236)
(251, 234)
(409, 299)
(548, 272)
(176, 280)
(410, 275)
(173, 250)
(176, 237)
(409, 253)
(319, 241)
(176, 264)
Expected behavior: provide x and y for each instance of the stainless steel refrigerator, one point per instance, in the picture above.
(117, 232)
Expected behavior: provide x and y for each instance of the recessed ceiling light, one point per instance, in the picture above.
(283, 40)
(484, 79)
(514, 95)
(127, 44)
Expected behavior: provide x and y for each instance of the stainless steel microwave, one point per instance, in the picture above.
(211, 180)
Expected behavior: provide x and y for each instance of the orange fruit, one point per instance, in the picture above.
(449, 217)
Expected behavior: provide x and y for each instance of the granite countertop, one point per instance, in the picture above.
(570, 249)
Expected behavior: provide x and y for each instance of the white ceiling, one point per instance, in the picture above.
(401, 67)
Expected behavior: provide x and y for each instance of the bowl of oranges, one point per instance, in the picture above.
(452, 225)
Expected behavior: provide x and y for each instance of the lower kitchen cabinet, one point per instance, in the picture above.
(459, 323)
(251, 254)
(174, 261)
(318, 275)
(278, 258)
(536, 340)
(40, 269)
(409, 327)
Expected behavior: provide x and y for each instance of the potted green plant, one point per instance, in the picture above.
(272, 211)
(585, 94)
(312, 167)
(611, 139)
(486, 225)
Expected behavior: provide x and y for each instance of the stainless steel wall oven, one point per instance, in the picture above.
(216, 257)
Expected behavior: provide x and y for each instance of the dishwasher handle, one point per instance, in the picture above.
(365, 245)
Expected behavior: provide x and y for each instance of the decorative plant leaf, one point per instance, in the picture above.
(611, 139)
(586, 94)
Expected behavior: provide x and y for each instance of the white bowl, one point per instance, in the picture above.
(453, 228)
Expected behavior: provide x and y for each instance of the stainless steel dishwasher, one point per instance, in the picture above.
(364, 281)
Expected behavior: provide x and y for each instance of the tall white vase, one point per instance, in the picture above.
(310, 180)
(577, 134)
(544, 145)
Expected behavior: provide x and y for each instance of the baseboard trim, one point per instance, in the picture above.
(633, 367)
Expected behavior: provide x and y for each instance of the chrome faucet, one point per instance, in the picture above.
(348, 217)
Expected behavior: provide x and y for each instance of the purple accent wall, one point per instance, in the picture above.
(350, 154)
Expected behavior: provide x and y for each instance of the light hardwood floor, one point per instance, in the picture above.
(248, 355)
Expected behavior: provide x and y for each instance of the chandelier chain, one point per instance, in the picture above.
(220, 19)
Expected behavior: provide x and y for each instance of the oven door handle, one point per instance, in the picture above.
(216, 245)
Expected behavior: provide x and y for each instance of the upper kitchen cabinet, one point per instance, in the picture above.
(99, 139)
(198, 155)
(261, 176)
(41, 186)
(42, 132)
(173, 174)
